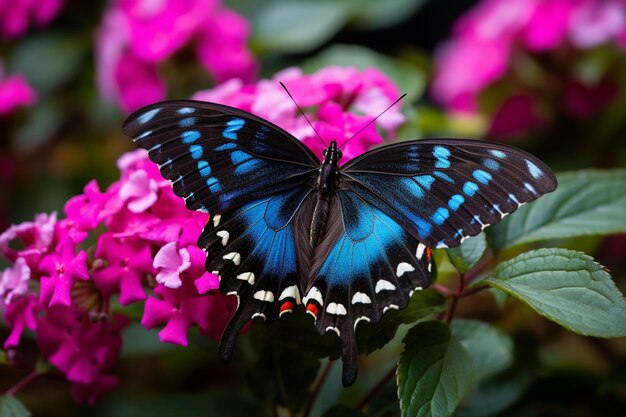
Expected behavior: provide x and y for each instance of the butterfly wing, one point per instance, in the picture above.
(444, 190)
(218, 157)
(396, 202)
(256, 181)
(365, 264)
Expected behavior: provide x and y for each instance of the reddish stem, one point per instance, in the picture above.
(376, 388)
(318, 387)
(30, 377)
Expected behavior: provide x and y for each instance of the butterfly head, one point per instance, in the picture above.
(332, 154)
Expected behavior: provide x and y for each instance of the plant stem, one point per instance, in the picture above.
(317, 388)
(376, 388)
(442, 289)
(30, 377)
(455, 298)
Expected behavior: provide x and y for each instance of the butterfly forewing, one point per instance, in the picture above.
(445, 190)
(217, 157)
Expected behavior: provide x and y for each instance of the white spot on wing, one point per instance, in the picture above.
(390, 307)
(360, 297)
(314, 294)
(216, 220)
(404, 267)
(334, 329)
(421, 248)
(364, 318)
(247, 276)
(233, 256)
(337, 309)
(267, 296)
(290, 292)
(235, 294)
(259, 315)
(383, 285)
(224, 235)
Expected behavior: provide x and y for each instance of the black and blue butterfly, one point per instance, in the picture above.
(348, 242)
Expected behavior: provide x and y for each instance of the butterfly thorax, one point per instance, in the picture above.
(327, 183)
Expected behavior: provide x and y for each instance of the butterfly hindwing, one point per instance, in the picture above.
(445, 190)
(218, 157)
(255, 252)
(366, 264)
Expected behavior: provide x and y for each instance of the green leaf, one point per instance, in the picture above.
(12, 407)
(423, 305)
(497, 393)
(50, 59)
(297, 26)
(490, 349)
(409, 79)
(467, 255)
(434, 372)
(567, 287)
(376, 14)
(584, 203)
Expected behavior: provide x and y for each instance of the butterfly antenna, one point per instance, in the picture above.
(303, 114)
(372, 121)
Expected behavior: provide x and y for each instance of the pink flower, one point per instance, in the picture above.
(16, 16)
(595, 23)
(60, 271)
(20, 315)
(136, 35)
(14, 90)
(342, 101)
(14, 281)
(34, 237)
(178, 309)
(82, 349)
(549, 24)
(516, 115)
(126, 262)
(171, 262)
(139, 191)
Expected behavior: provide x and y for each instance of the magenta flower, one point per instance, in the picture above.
(171, 262)
(81, 348)
(14, 90)
(343, 100)
(137, 35)
(139, 191)
(14, 281)
(16, 16)
(125, 262)
(20, 315)
(178, 309)
(59, 273)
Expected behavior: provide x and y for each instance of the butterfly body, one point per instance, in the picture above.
(347, 242)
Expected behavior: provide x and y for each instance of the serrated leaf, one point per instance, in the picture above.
(584, 203)
(490, 349)
(465, 256)
(297, 26)
(434, 372)
(423, 305)
(409, 79)
(567, 287)
(12, 407)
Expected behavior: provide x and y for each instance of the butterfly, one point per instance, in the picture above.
(348, 242)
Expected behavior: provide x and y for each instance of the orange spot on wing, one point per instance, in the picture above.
(312, 308)
(287, 305)
(428, 254)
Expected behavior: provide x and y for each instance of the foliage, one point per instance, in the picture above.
(508, 312)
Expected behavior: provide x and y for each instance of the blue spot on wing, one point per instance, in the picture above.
(455, 202)
(147, 116)
(185, 110)
(497, 153)
(225, 147)
(232, 126)
(470, 188)
(204, 168)
(491, 164)
(481, 176)
(425, 181)
(196, 151)
(534, 170)
(187, 122)
(190, 136)
(440, 215)
(441, 153)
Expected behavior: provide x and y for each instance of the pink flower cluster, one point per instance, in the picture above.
(339, 101)
(17, 15)
(138, 35)
(143, 239)
(64, 291)
(497, 37)
(14, 92)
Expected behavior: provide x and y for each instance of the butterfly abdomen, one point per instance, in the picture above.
(327, 184)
